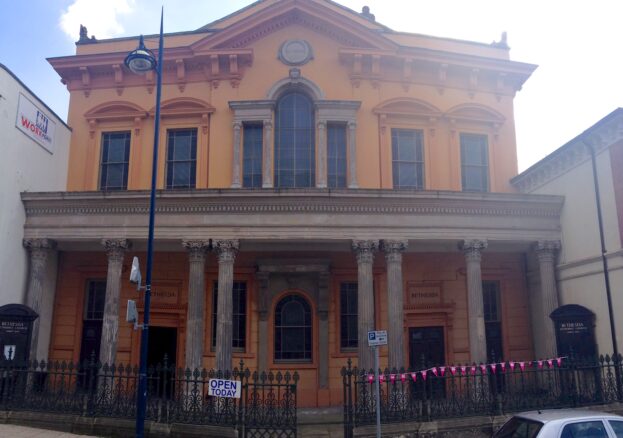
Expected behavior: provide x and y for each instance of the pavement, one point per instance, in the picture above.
(11, 431)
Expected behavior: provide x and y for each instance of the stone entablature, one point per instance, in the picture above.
(294, 214)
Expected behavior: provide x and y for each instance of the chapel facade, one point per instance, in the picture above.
(319, 176)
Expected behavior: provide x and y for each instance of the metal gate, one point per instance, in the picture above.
(268, 405)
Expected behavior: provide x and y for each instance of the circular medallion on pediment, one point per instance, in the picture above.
(295, 52)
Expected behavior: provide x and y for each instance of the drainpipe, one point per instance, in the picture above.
(604, 261)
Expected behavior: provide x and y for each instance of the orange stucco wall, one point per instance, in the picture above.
(332, 76)
(171, 272)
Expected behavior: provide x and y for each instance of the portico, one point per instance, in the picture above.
(284, 266)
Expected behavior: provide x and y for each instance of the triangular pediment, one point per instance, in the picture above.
(345, 26)
(117, 110)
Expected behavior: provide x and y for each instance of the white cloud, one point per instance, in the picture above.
(100, 17)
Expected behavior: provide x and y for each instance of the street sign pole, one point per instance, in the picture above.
(377, 338)
(378, 391)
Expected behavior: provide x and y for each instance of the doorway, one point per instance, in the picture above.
(427, 349)
(161, 351)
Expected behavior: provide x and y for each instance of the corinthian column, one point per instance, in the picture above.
(40, 250)
(395, 301)
(195, 319)
(364, 251)
(546, 254)
(115, 249)
(226, 250)
(235, 178)
(475, 308)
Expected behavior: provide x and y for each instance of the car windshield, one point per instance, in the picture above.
(518, 427)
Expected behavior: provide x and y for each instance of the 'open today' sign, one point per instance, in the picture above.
(224, 388)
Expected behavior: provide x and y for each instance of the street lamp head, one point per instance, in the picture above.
(141, 60)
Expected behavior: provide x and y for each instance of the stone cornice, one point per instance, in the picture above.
(239, 201)
(600, 136)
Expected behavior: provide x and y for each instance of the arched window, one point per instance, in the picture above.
(295, 163)
(293, 330)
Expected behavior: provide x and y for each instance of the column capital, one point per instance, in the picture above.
(352, 124)
(237, 124)
(393, 249)
(472, 248)
(546, 249)
(365, 249)
(226, 249)
(39, 248)
(267, 123)
(115, 248)
(197, 249)
(322, 124)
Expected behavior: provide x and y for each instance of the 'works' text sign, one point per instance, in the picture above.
(225, 388)
(36, 124)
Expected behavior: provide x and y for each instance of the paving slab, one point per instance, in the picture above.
(12, 431)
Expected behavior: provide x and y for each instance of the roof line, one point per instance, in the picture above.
(570, 143)
(153, 35)
(14, 76)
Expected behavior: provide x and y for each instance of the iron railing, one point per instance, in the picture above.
(174, 395)
(472, 390)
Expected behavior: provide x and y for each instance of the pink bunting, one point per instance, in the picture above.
(414, 376)
(522, 365)
(382, 378)
(550, 363)
(503, 366)
(370, 378)
(403, 377)
(559, 361)
(453, 370)
(493, 367)
(434, 370)
(443, 370)
(392, 378)
(473, 370)
(424, 374)
(483, 368)
(463, 370)
(512, 365)
(540, 363)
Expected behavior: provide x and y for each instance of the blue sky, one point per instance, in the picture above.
(577, 44)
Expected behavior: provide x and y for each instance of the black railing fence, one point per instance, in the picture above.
(174, 395)
(471, 390)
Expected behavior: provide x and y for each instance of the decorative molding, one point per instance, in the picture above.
(197, 249)
(393, 249)
(115, 248)
(244, 202)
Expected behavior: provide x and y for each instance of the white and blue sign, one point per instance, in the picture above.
(225, 388)
(377, 337)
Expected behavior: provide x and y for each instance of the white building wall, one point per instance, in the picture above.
(25, 166)
(579, 269)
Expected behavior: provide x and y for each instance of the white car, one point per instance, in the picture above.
(562, 423)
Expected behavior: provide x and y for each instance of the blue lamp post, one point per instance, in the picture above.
(141, 61)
